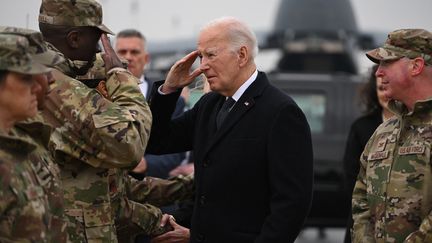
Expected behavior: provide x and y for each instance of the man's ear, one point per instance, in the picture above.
(243, 55)
(417, 66)
(73, 38)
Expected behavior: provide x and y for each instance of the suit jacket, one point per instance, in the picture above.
(253, 176)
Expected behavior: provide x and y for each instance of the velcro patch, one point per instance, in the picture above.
(418, 149)
(378, 155)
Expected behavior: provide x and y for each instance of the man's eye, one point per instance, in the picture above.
(27, 79)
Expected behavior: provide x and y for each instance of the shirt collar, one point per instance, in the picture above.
(244, 86)
(141, 79)
(420, 106)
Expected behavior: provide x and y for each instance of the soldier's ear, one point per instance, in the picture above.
(417, 66)
(73, 38)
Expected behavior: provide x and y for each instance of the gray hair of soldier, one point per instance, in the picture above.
(238, 32)
(130, 33)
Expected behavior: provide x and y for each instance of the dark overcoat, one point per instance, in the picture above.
(254, 175)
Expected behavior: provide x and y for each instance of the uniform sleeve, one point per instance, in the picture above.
(362, 228)
(160, 192)
(424, 233)
(138, 218)
(95, 130)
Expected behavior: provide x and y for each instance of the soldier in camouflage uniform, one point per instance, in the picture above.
(155, 191)
(36, 130)
(94, 140)
(24, 208)
(392, 198)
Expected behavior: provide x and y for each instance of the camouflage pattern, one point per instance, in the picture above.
(142, 218)
(410, 43)
(14, 55)
(160, 192)
(74, 13)
(97, 72)
(150, 191)
(392, 198)
(37, 47)
(48, 173)
(23, 204)
(95, 140)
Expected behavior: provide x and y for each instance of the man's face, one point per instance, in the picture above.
(132, 49)
(394, 78)
(89, 46)
(219, 63)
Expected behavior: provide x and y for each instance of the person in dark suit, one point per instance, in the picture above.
(251, 142)
(131, 45)
(376, 111)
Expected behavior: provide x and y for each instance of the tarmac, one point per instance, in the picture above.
(327, 235)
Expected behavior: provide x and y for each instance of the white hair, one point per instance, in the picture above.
(238, 32)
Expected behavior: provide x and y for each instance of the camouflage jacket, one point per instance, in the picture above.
(93, 140)
(23, 204)
(47, 172)
(392, 198)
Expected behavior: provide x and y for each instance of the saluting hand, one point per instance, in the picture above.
(109, 56)
(179, 75)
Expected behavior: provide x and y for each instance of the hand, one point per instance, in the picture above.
(141, 167)
(101, 87)
(180, 234)
(179, 75)
(185, 170)
(109, 56)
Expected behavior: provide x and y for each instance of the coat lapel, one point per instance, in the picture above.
(242, 106)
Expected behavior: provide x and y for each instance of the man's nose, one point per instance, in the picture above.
(379, 72)
(128, 56)
(36, 87)
(204, 64)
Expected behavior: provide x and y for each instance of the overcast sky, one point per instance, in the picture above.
(169, 19)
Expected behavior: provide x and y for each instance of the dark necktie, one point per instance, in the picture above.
(223, 112)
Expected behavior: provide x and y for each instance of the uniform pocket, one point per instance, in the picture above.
(98, 223)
